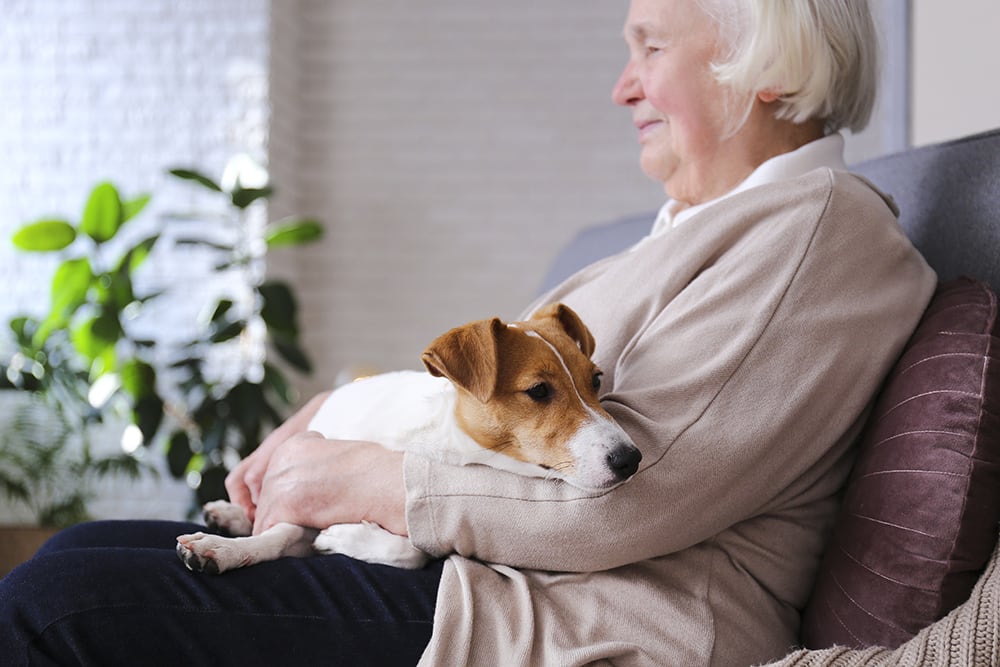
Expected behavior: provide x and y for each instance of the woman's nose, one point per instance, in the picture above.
(627, 90)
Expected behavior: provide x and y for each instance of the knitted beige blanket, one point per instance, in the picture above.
(967, 637)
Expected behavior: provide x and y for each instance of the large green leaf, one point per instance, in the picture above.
(243, 197)
(223, 331)
(119, 290)
(196, 464)
(147, 413)
(246, 403)
(212, 486)
(279, 308)
(102, 216)
(222, 247)
(70, 285)
(292, 232)
(22, 327)
(112, 291)
(197, 177)
(221, 308)
(45, 236)
(276, 380)
(138, 378)
(134, 207)
(214, 436)
(178, 453)
(293, 354)
(137, 254)
(96, 337)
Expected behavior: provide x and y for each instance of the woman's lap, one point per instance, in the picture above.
(86, 599)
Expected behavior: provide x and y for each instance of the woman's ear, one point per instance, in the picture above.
(768, 96)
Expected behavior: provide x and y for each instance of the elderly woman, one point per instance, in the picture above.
(741, 343)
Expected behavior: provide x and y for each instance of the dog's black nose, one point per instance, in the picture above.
(624, 461)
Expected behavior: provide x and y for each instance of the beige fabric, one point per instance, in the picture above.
(967, 637)
(740, 351)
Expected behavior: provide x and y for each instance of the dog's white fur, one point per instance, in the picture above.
(416, 412)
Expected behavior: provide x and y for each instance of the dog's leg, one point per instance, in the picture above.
(227, 518)
(372, 543)
(216, 554)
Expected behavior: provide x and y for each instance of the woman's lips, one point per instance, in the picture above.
(645, 127)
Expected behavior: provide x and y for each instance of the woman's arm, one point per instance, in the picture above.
(742, 373)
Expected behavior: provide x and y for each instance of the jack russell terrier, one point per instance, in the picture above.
(520, 397)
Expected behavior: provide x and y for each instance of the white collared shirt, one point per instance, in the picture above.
(825, 152)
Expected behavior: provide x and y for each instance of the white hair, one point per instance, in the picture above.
(820, 57)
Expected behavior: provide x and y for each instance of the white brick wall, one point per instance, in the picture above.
(121, 90)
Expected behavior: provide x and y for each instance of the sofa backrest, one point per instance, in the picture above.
(949, 200)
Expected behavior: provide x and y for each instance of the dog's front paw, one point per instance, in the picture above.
(227, 518)
(208, 553)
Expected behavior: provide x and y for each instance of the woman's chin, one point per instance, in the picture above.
(657, 166)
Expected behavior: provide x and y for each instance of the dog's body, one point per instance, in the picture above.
(519, 397)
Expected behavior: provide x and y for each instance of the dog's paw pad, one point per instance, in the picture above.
(196, 554)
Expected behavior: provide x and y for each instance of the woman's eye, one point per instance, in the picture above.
(597, 380)
(538, 392)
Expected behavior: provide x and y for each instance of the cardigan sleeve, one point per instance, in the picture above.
(742, 387)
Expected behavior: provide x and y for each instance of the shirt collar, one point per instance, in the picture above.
(825, 152)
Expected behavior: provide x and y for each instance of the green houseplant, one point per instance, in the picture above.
(224, 421)
(84, 362)
(48, 463)
(56, 401)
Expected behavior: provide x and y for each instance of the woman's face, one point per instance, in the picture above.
(677, 106)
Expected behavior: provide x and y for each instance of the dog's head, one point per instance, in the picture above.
(529, 390)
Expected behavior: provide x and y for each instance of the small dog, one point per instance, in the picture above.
(520, 397)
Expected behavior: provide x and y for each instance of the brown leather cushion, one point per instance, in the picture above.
(922, 505)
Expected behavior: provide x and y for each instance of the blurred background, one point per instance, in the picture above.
(448, 148)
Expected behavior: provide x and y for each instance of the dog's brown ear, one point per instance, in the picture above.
(571, 324)
(467, 356)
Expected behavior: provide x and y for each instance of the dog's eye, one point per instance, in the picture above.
(538, 392)
(597, 380)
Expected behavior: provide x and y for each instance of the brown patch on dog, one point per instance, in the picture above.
(524, 388)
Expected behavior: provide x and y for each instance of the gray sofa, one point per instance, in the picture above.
(910, 575)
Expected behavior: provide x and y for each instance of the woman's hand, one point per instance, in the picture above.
(315, 482)
(244, 481)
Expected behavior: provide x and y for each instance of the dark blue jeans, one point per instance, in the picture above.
(115, 593)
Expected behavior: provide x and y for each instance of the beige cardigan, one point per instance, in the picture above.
(740, 352)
